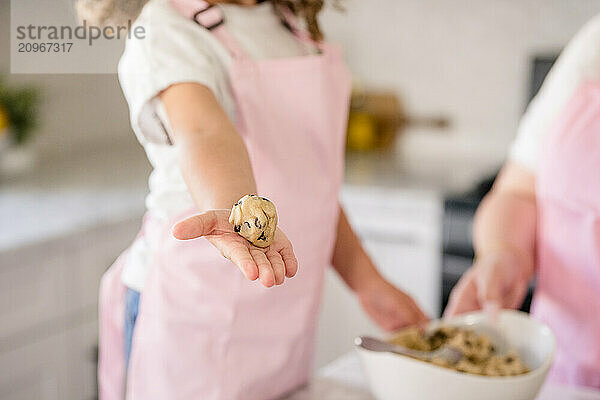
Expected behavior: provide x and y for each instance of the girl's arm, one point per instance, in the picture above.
(350, 259)
(504, 235)
(216, 167)
(213, 157)
(389, 307)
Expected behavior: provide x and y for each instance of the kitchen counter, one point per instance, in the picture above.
(343, 380)
(396, 170)
(72, 195)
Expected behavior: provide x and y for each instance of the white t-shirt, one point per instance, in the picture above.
(175, 50)
(578, 63)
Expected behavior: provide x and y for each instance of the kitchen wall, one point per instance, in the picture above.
(465, 59)
(468, 59)
(80, 112)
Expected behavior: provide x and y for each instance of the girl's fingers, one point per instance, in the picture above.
(410, 313)
(290, 261)
(278, 266)
(253, 262)
(241, 257)
(406, 313)
(265, 269)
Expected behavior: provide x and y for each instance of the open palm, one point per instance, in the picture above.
(271, 265)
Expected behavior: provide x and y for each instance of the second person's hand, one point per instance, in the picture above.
(499, 279)
(271, 265)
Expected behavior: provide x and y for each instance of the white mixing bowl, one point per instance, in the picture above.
(395, 377)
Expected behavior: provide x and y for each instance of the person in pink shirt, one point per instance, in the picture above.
(542, 217)
(229, 101)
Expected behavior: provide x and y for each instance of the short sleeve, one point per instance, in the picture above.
(578, 63)
(173, 50)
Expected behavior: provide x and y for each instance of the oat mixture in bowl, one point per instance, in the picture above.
(480, 356)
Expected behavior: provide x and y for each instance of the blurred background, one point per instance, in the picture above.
(439, 90)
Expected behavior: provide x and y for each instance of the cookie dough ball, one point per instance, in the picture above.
(255, 218)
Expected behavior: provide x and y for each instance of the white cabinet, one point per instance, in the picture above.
(48, 312)
(33, 289)
(401, 231)
(57, 367)
(33, 371)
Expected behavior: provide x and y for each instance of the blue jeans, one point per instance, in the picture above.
(132, 303)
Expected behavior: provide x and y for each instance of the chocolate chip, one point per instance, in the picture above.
(262, 236)
(237, 228)
(439, 334)
(247, 224)
(509, 359)
(257, 223)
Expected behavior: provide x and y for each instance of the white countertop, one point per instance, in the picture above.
(71, 195)
(445, 175)
(343, 380)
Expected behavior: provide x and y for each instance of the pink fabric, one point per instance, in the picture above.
(204, 331)
(568, 293)
(111, 310)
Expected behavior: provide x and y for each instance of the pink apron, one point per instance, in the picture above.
(203, 330)
(568, 195)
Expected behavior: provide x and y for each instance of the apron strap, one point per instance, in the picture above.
(211, 18)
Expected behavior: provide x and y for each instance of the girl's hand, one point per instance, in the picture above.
(271, 264)
(499, 279)
(389, 307)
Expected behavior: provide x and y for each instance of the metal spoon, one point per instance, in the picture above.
(450, 354)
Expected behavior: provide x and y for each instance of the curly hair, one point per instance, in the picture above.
(103, 12)
(307, 9)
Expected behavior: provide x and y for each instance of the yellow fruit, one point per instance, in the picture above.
(4, 119)
(362, 134)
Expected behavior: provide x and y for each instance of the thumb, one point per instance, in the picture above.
(197, 226)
